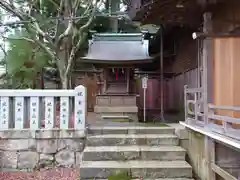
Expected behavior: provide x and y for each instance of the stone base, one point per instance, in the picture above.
(118, 113)
(40, 149)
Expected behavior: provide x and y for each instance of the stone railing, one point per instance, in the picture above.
(47, 109)
(42, 128)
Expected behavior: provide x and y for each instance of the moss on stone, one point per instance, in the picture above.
(123, 175)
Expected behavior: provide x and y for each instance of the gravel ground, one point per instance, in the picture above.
(53, 174)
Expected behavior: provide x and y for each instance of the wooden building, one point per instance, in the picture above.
(117, 55)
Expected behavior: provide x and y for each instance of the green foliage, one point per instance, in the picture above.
(50, 7)
(24, 60)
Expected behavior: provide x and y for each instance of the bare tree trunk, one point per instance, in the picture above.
(65, 83)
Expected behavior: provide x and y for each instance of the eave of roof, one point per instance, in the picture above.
(170, 12)
(120, 51)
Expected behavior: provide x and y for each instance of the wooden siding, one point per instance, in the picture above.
(226, 75)
(175, 88)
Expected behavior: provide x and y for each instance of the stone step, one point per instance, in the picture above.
(137, 169)
(130, 130)
(153, 179)
(123, 153)
(132, 139)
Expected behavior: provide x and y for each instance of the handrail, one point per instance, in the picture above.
(193, 90)
(225, 118)
(195, 115)
(195, 102)
(231, 108)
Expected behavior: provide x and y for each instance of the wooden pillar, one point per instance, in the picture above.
(207, 62)
(208, 92)
(128, 80)
(105, 80)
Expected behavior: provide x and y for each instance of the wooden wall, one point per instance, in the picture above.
(226, 74)
(175, 88)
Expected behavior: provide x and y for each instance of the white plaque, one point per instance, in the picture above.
(144, 82)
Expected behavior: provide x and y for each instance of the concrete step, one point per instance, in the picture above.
(137, 169)
(123, 153)
(132, 139)
(130, 130)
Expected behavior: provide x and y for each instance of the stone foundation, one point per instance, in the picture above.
(117, 106)
(33, 150)
(118, 116)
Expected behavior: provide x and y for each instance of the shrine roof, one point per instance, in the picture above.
(118, 48)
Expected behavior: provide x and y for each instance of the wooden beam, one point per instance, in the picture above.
(87, 71)
(155, 5)
(214, 35)
(190, 8)
(173, 15)
(222, 173)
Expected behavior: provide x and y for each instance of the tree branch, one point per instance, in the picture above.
(73, 53)
(58, 20)
(19, 38)
(83, 36)
(72, 13)
(25, 17)
(76, 6)
(86, 26)
(8, 7)
(89, 4)
(3, 50)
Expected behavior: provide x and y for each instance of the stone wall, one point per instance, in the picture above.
(226, 157)
(196, 155)
(34, 150)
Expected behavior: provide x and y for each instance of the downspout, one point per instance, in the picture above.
(161, 73)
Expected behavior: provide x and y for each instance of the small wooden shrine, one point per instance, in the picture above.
(117, 55)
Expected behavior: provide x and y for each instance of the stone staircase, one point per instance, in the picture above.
(144, 152)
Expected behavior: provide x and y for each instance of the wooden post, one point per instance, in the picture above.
(185, 104)
(207, 90)
(105, 74)
(207, 66)
(128, 79)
